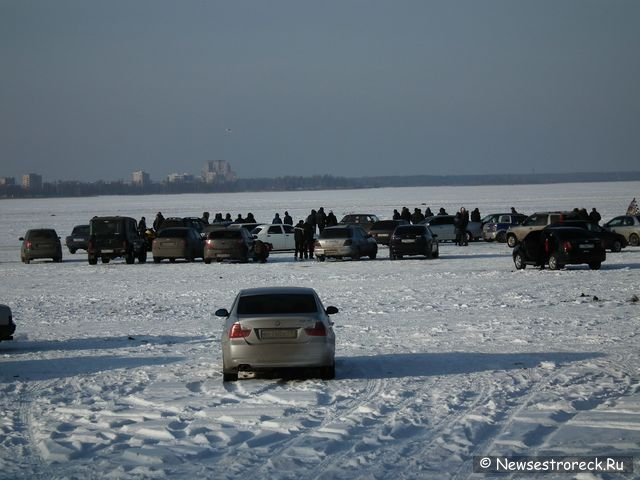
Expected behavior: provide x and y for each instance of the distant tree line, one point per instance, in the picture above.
(315, 182)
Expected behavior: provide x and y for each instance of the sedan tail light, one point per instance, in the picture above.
(318, 330)
(29, 245)
(317, 244)
(237, 331)
(567, 246)
(209, 243)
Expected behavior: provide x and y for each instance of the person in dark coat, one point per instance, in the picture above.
(475, 215)
(287, 218)
(594, 216)
(442, 211)
(309, 239)
(514, 211)
(428, 213)
(205, 218)
(464, 222)
(157, 223)
(406, 214)
(396, 214)
(321, 218)
(312, 220)
(276, 220)
(142, 227)
(239, 219)
(250, 218)
(332, 221)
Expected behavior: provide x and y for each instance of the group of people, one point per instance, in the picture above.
(417, 216)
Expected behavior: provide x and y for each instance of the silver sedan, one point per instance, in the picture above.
(277, 327)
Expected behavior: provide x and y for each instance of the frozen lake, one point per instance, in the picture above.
(115, 369)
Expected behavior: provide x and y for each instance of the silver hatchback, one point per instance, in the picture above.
(345, 241)
(275, 328)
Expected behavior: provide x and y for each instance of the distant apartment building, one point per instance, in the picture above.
(180, 178)
(32, 181)
(218, 171)
(140, 178)
(7, 181)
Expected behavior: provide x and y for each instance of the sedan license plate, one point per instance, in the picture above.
(106, 250)
(587, 246)
(78, 240)
(408, 240)
(270, 333)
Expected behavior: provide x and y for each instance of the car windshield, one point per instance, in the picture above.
(173, 233)
(336, 233)
(411, 230)
(105, 227)
(225, 234)
(83, 230)
(42, 235)
(384, 225)
(270, 304)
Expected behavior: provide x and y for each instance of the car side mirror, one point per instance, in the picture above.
(223, 312)
(331, 310)
(435, 235)
(21, 239)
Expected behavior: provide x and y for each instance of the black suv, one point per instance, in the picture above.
(559, 246)
(113, 237)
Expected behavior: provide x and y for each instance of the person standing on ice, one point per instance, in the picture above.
(276, 220)
(298, 236)
(287, 218)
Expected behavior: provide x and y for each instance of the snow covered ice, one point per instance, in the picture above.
(115, 369)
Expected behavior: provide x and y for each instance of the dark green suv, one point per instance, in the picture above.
(113, 237)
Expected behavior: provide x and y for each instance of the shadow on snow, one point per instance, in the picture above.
(448, 363)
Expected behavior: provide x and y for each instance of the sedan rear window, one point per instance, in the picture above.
(276, 304)
(173, 233)
(42, 235)
(222, 234)
(410, 230)
(336, 233)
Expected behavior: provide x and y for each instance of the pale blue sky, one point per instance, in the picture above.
(96, 89)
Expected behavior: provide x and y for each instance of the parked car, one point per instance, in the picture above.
(413, 240)
(177, 242)
(611, 240)
(495, 225)
(444, 227)
(277, 327)
(382, 230)
(193, 222)
(229, 244)
(627, 225)
(40, 243)
(115, 237)
(7, 326)
(345, 241)
(79, 239)
(280, 237)
(559, 246)
(537, 221)
(364, 220)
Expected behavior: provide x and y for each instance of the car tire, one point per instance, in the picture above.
(519, 262)
(172, 260)
(72, 251)
(373, 255)
(634, 240)
(142, 258)
(356, 255)
(554, 263)
(321, 258)
(57, 259)
(26, 260)
(157, 259)
(93, 261)
(106, 259)
(328, 372)
(207, 261)
(501, 237)
(436, 254)
(617, 246)
(595, 265)
(512, 241)
(229, 377)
